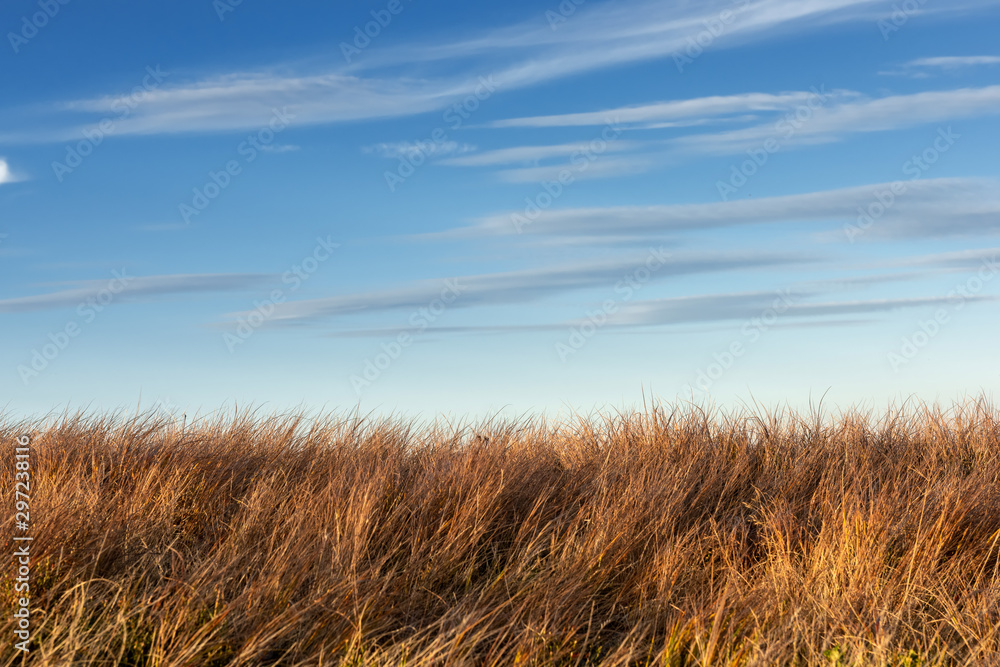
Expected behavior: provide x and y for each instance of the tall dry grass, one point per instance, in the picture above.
(667, 537)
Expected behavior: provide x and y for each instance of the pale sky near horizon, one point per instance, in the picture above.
(445, 207)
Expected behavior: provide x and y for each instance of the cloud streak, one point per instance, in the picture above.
(829, 124)
(711, 309)
(136, 289)
(922, 68)
(530, 154)
(830, 117)
(931, 207)
(520, 286)
(949, 62)
(699, 110)
(393, 82)
(745, 306)
(409, 149)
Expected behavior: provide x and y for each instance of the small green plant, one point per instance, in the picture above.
(835, 655)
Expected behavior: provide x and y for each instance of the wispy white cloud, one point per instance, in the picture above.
(531, 154)
(696, 111)
(931, 207)
(743, 306)
(600, 35)
(829, 117)
(606, 34)
(922, 68)
(948, 62)
(600, 167)
(801, 303)
(521, 286)
(962, 260)
(247, 101)
(833, 123)
(411, 149)
(136, 288)
(585, 160)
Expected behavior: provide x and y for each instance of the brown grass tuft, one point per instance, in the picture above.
(669, 537)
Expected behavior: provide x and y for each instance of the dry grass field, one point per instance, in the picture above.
(664, 537)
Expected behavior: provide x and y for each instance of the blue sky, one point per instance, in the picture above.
(464, 208)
